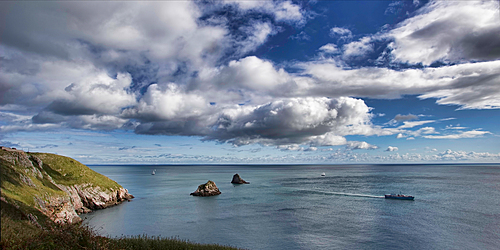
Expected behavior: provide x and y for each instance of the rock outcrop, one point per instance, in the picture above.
(237, 180)
(207, 189)
(60, 189)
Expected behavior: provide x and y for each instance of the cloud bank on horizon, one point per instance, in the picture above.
(220, 72)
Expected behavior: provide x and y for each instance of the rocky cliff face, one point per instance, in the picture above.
(54, 190)
(85, 196)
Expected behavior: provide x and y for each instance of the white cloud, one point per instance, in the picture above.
(449, 31)
(329, 48)
(464, 134)
(318, 121)
(342, 32)
(457, 127)
(287, 11)
(97, 94)
(284, 11)
(360, 145)
(470, 85)
(97, 122)
(293, 147)
(328, 139)
(400, 135)
(390, 149)
(358, 48)
(311, 149)
(168, 102)
(407, 124)
(258, 33)
(251, 73)
(450, 155)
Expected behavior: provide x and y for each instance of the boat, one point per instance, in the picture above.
(154, 172)
(399, 197)
(323, 174)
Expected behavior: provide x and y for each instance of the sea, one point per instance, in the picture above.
(295, 207)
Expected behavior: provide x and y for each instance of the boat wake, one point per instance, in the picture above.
(345, 194)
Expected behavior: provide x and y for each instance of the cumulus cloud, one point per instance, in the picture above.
(250, 73)
(167, 102)
(329, 48)
(319, 121)
(390, 149)
(358, 48)
(360, 145)
(449, 31)
(98, 94)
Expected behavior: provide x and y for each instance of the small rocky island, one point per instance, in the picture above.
(237, 180)
(207, 189)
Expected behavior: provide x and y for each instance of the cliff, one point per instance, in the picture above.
(59, 187)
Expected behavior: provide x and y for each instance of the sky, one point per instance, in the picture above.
(252, 82)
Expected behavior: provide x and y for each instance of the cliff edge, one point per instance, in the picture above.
(57, 186)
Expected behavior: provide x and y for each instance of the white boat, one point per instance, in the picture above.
(323, 174)
(154, 172)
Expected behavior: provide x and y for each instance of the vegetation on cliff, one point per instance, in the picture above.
(57, 186)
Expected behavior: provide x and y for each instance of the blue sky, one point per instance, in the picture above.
(167, 82)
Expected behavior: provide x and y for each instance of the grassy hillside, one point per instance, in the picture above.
(21, 184)
(67, 171)
(24, 176)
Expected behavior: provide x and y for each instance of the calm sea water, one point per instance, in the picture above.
(294, 207)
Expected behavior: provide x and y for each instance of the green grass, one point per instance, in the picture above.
(67, 171)
(13, 187)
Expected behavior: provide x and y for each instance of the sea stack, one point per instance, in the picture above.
(207, 189)
(237, 180)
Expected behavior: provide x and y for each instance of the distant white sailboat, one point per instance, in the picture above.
(323, 174)
(154, 172)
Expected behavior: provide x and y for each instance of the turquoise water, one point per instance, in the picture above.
(294, 207)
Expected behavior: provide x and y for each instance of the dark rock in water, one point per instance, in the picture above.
(207, 189)
(237, 180)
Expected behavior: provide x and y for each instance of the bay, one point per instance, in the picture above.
(294, 207)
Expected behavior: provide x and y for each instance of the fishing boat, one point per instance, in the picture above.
(323, 174)
(399, 197)
(154, 172)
